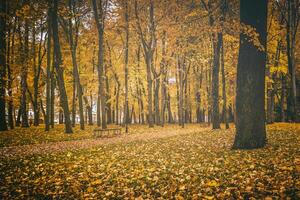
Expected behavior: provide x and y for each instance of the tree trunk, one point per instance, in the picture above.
(170, 116)
(11, 60)
(156, 100)
(77, 88)
(149, 47)
(291, 30)
(24, 74)
(282, 99)
(224, 85)
(99, 18)
(48, 74)
(250, 102)
(163, 80)
(59, 69)
(126, 17)
(74, 101)
(52, 91)
(3, 124)
(215, 83)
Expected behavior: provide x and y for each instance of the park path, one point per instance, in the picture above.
(56, 147)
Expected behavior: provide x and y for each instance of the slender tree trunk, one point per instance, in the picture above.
(48, 75)
(170, 116)
(74, 101)
(290, 41)
(24, 74)
(126, 17)
(89, 109)
(224, 85)
(59, 69)
(156, 100)
(250, 102)
(35, 80)
(271, 88)
(208, 90)
(10, 60)
(149, 47)
(18, 120)
(282, 99)
(99, 18)
(77, 88)
(163, 80)
(215, 83)
(3, 124)
(52, 90)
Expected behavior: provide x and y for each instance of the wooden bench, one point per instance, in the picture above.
(109, 132)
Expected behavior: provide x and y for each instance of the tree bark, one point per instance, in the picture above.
(149, 47)
(126, 17)
(215, 82)
(224, 85)
(99, 18)
(48, 75)
(24, 74)
(59, 69)
(250, 92)
(293, 18)
(3, 124)
(11, 60)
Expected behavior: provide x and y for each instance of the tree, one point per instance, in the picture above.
(250, 102)
(48, 73)
(99, 16)
(72, 33)
(24, 73)
(3, 124)
(126, 17)
(149, 48)
(59, 69)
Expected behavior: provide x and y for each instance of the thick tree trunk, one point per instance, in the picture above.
(250, 102)
(59, 69)
(3, 124)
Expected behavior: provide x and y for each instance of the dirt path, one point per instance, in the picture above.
(26, 150)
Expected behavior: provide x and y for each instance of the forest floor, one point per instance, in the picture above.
(160, 163)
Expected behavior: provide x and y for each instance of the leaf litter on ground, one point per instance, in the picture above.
(195, 165)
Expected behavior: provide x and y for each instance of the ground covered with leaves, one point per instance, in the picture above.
(194, 165)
